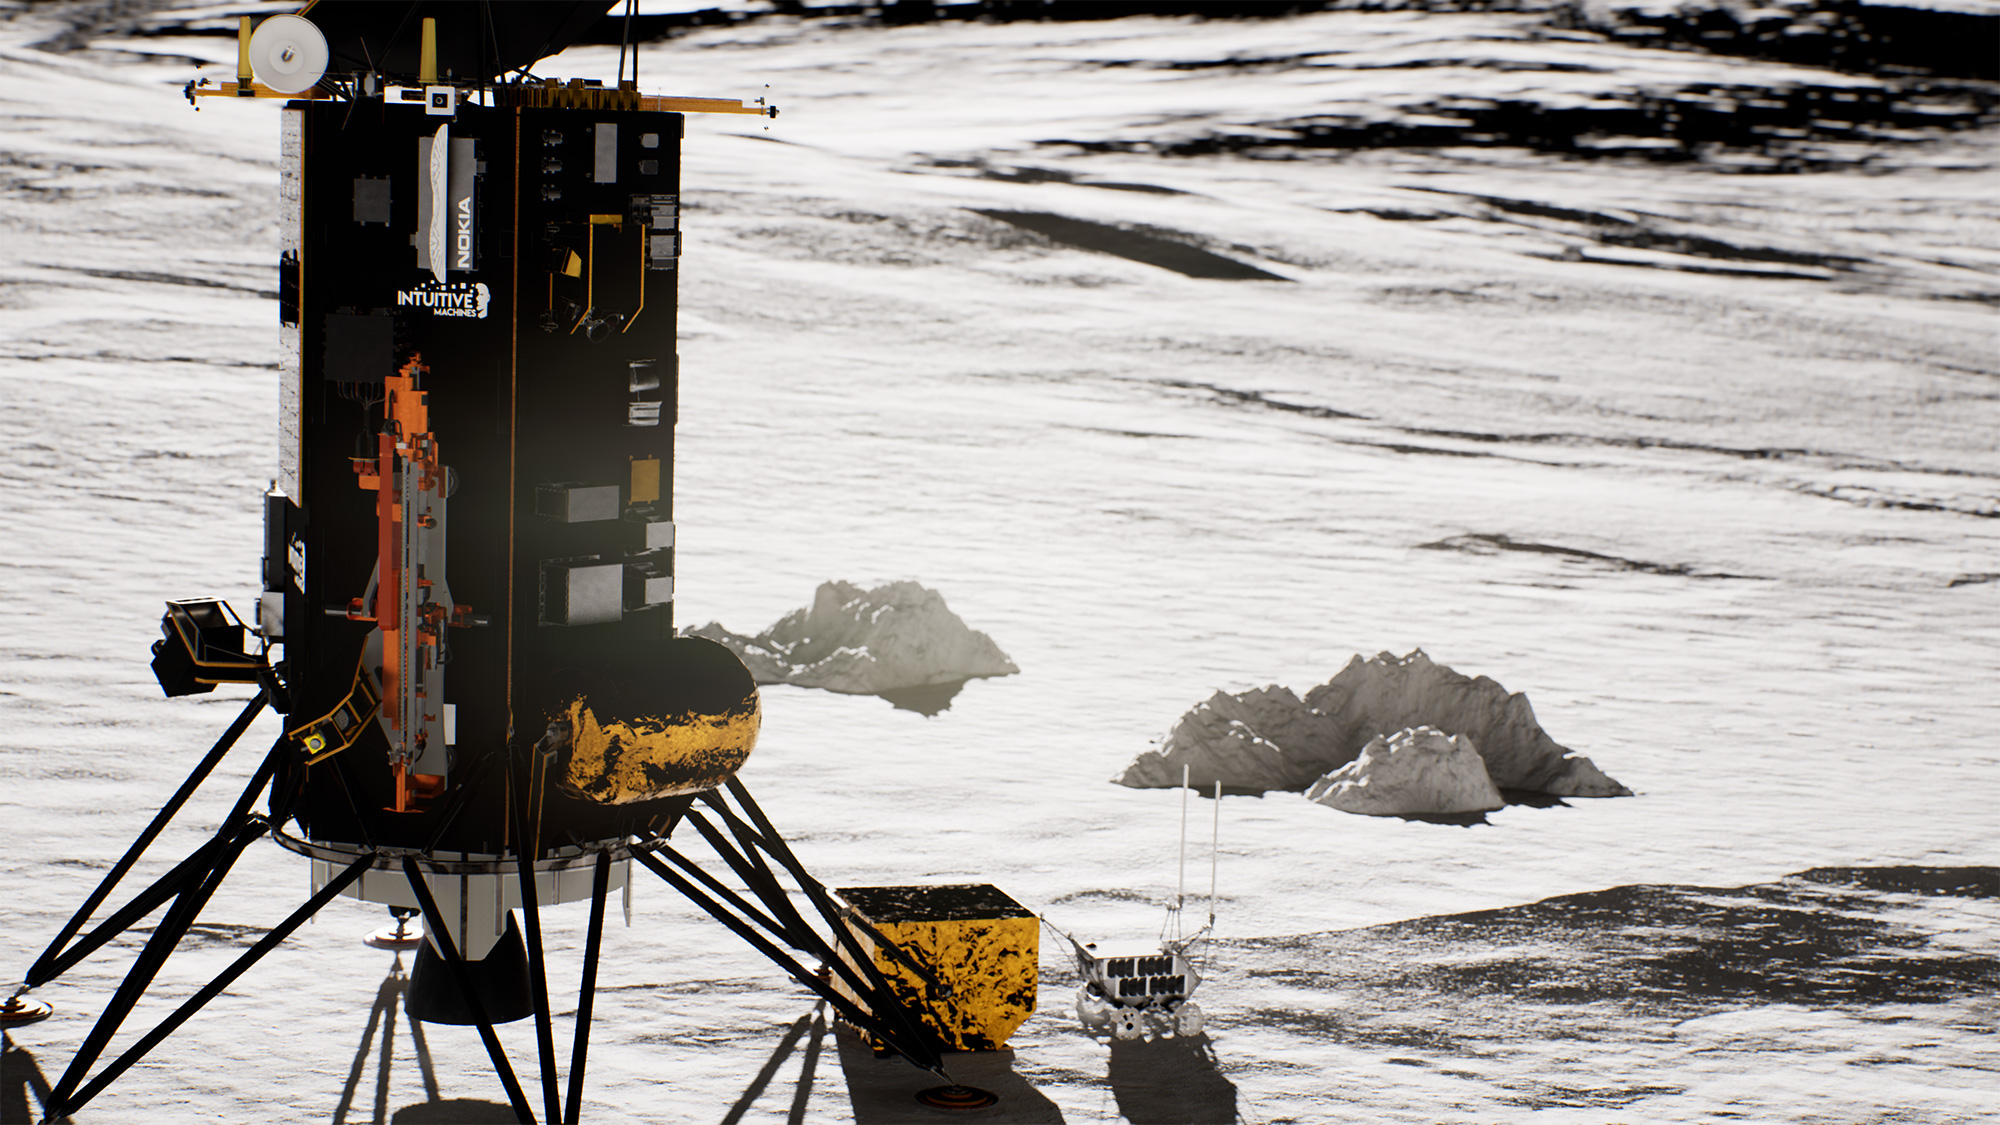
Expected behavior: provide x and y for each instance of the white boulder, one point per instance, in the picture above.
(1269, 738)
(865, 642)
(1414, 772)
(1391, 693)
(1262, 739)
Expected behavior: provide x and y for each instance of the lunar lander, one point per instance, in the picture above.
(468, 572)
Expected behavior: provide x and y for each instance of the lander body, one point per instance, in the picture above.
(468, 574)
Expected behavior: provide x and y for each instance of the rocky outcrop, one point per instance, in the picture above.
(1256, 740)
(1391, 693)
(865, 642)
(1416, 772)
(1269, 738)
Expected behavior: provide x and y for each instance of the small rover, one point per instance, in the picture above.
(1132, 990)
(1136, 989)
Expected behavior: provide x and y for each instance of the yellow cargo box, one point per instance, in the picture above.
(965, 955)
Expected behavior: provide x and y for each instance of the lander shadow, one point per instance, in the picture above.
(883, 1089)
(24, 1090)
(813, 1022)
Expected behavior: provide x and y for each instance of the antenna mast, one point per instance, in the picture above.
(1214, 845)
(1180, 889)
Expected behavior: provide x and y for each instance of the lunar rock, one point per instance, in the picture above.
(1390, 693)
(1262, 739)
(1412, 772)
(864, 642)
(1269, 738)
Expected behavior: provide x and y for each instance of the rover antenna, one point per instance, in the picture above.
(1180, 891)
(1214, 847)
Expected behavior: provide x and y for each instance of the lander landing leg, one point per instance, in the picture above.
(734, 827)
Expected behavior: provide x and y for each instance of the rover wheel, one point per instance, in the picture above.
(1188, 1021)
(1093, 1011)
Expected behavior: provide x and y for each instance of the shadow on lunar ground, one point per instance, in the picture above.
(1487, 544)
(1133, 245)
(928, 700)
(1528, 797)
(1170, 1082)
(435, 1110)
(24, 1090)
(1600, 964)
(457, 1111)
(883, 1091)
(813, 1021)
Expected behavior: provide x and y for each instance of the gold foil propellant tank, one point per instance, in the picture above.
(683, 726)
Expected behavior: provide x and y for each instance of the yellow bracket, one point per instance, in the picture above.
(642, 287)
(341, 727)
(243, 89)
(705, 105)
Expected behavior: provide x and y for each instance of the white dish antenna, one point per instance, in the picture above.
(288, 54)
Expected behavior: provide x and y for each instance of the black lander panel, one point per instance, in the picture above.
(594, 397)
(551, 378)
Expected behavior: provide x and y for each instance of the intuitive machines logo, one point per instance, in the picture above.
(457, 298)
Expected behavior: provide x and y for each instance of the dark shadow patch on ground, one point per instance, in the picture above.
(813, 1021)
(1639, 233)
(24, 1090)
(1128, 433)
(1755, 129)
(1752, 453)
(1230, 396)
(1490, 544)
(1170, 1081)
(1233, 62)
(927, 699)
(1947, 882)
(1455, 820)
(1971, 580)
(1396, 447)
(1870, 498)
(883, 1089)
(1682, 267)
(455, 1111)
(1030, 174)
(1819, 938)
(1843, 35)
(1526, 797)
(1396, 215)
(1132, 245)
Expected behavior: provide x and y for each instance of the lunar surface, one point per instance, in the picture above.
(1648, 371)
